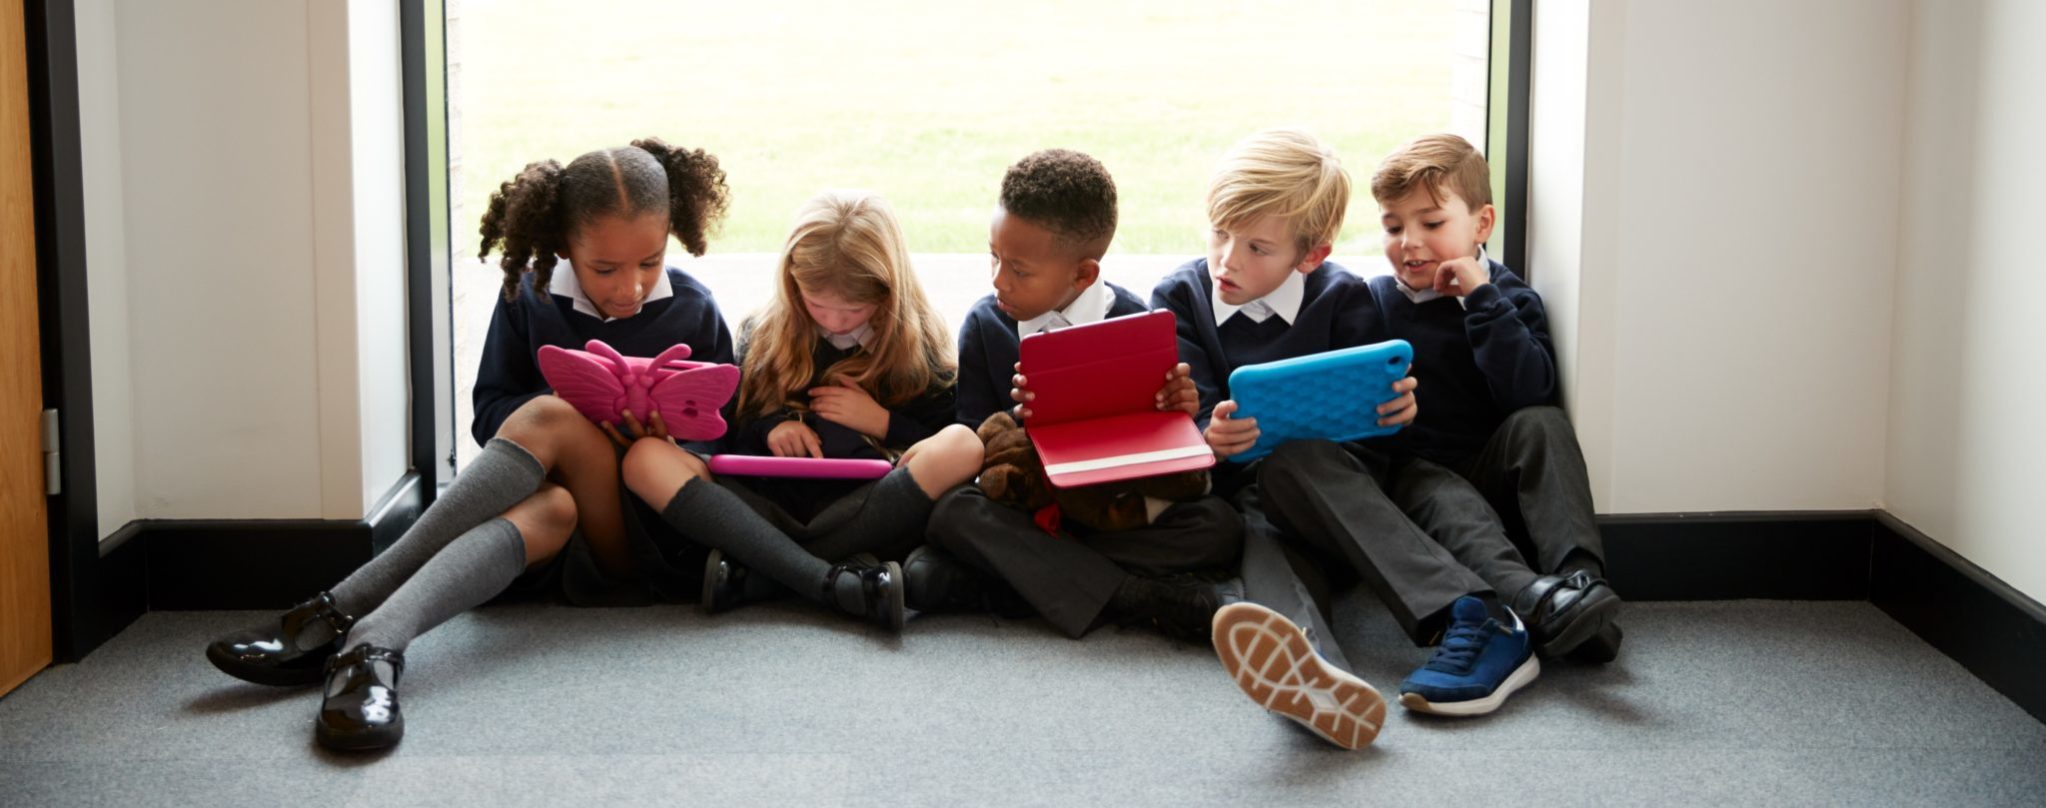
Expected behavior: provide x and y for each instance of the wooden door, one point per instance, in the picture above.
(24, 534)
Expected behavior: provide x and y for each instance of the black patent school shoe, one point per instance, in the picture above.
(360, 711)
(1563, 612)
(881, 599)
(724, 583)
(292, 651)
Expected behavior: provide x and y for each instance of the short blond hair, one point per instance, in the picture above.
(1434, 162)
(1286, 173)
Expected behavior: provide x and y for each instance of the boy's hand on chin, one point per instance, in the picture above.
(1458, 277)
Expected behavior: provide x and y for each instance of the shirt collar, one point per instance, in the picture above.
(1283, 301)
(1419, 296)
(564, 284)
(1090, 306)
(862, 336)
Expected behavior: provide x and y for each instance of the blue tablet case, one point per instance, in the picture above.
(1332, 395)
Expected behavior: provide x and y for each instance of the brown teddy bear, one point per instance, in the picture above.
(1012, 474)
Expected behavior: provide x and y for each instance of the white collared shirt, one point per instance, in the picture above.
(1283, 301)
(564, 284)
(1090, 306)
(1419, 296)
(862, 336)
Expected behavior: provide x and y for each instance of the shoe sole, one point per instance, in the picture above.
(708, 600)
(1602, 648)
(1583, 627)
(274, 677)
(896, 599)
(1520, 678)
(339, 742)
(1272, 663)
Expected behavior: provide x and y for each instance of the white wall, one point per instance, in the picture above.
(258, 232)
(1965, 437)
(1722, 284)
(1786, 247)
(99, 124)
(359, 251)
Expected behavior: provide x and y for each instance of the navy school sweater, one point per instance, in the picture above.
(1336, 311)
(509, 374)
(1476, 362)
(989, 348)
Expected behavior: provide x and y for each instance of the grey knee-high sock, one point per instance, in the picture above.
(708, 513)
(464, 574)
(497, 479)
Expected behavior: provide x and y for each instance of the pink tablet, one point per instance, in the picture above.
(601, 384)
(806, 467)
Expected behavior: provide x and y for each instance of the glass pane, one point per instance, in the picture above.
(928, 103)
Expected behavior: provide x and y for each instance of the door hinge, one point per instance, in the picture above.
(53, 463)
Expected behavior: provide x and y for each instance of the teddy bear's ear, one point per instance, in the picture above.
(1003, 453)
(995, 425)
(1017, 441)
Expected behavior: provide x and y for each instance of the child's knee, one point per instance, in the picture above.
(949, 458)
(1541, 421)
(548, 510)
(545, 417)
(655, 469)
(961, 450)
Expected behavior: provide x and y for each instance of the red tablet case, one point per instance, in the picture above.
(1095, 417)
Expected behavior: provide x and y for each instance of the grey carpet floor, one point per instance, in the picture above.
(1741, 703)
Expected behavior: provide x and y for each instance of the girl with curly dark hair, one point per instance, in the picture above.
(541, 508)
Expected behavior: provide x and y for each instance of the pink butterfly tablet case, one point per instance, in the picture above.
(1095, 419)
(601, 384)
(828, 468)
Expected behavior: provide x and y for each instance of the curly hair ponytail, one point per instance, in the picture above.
(697, 195)
(525, 216)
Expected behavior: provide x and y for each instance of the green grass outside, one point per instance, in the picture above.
(928, 103)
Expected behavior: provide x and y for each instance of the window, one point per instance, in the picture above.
(928, 103)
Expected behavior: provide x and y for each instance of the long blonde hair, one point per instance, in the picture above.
(846, 243)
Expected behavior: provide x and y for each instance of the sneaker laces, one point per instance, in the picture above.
(1460, 647)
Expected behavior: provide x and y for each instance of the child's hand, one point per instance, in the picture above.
(1230, 436)
(794, 439)
(847, 405)
(1020, 393)
(1459, 277)
(1179, 392)
(654, 428)
(1400, 411)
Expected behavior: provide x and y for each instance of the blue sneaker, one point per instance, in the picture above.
(1271, 660)
(1479, 663)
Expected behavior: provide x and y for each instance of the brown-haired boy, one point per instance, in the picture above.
(1482, 351)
